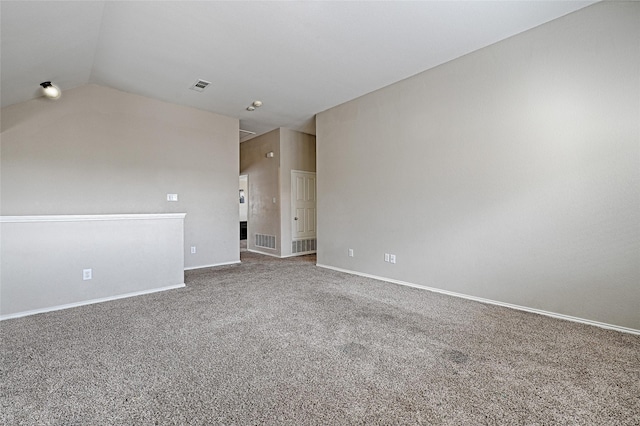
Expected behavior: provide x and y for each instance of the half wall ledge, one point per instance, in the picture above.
(58, 261)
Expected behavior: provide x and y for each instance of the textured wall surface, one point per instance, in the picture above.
(510, 174)
(43, 258)
(101, 151)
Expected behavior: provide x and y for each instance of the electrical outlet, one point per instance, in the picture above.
(193, 249)
(392, 258)
(350, 252)
(87, 274)
(386, 257)
(172, 197)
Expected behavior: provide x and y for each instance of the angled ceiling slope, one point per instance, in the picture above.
(299, 58)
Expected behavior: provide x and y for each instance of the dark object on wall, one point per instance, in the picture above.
(243, 230)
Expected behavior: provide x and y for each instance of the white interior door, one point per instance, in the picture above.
(303, 204)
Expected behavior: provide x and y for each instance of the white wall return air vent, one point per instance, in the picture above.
(266, 241)
(303, 246)
(200, 85)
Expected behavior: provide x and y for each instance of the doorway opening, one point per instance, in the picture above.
(243, 211)
(303, 212)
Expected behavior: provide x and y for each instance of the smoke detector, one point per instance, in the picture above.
(200, 85)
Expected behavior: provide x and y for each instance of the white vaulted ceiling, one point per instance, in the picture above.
(298, 58)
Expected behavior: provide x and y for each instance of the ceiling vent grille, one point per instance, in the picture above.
(200, 85)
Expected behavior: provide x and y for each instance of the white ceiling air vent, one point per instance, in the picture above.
(200, 85)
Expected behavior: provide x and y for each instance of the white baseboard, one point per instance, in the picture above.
(489, 301)
(88, 302)
(304, 253)
(190, 268)
(285, 256)
(266, 254)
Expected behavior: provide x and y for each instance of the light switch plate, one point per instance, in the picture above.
(87, 274)
(172, 197)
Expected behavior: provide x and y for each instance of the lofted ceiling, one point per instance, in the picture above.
(298, 58)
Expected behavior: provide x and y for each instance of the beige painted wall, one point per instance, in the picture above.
(42, 259)
(511, 174)
(98, 151)
(263, 176)
(298, 152)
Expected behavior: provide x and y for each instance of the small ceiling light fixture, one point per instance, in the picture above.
(50, 91)
(254, 105)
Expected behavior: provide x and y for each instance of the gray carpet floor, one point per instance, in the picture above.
(274, 341)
